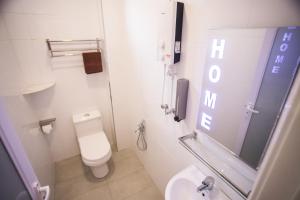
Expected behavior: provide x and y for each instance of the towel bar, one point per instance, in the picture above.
(192, 138)
(66, 52)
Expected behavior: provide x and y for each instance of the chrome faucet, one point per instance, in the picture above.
(207, 184)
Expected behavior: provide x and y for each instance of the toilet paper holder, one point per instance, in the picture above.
(46, 122)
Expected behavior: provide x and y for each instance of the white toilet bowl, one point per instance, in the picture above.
(94, 146)
(95, 152)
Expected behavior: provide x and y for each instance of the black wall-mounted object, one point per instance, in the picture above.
(178, 15)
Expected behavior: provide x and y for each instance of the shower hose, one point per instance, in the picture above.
(141, 140)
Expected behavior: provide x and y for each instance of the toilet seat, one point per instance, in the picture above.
(95, 149)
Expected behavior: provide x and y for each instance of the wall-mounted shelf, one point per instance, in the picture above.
(37, 88)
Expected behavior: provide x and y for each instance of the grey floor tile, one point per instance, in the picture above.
(130, 184)
(150, 193)
(123, 154)
(77, 186)
(127, 180)
(123, 167)
(100, 193)
(69, 168)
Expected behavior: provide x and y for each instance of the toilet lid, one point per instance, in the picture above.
(94, 147)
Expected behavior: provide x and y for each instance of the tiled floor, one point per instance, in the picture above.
(127, 180)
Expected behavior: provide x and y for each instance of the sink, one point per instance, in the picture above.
(183, 186)
(185, 189)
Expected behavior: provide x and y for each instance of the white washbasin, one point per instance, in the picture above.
(183, 186)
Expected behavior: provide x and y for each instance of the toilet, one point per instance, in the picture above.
(94, 146)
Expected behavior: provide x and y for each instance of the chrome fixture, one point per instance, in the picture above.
(250, 107)
(170, 111)
(46, 122)
(207, 184)
(43, 191)
(47, 125)
(167, 109)
(72, 50)
(187, 142)
(164, 107)
(141, 140)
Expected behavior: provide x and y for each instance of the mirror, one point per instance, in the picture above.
(247, 77)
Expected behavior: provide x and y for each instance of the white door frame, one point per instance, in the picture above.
(17, 153)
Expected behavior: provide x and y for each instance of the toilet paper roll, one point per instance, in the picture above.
(47, 129)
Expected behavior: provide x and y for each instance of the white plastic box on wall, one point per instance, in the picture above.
(170, 32)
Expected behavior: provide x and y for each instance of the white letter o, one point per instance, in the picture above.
(214, 73)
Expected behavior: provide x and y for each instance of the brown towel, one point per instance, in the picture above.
(92, 62)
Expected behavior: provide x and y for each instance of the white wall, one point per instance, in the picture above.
(34, 143)
(120, 66)
(29, 24)
(23, 118)
(165, 156)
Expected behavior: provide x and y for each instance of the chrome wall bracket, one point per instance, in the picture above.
(167, 110)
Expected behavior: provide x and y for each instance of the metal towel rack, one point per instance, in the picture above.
(192, 137)
(60, 52)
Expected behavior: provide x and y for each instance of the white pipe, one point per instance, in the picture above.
(172, 88)
(164, 85)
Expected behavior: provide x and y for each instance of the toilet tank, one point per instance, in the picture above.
(87, 123)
